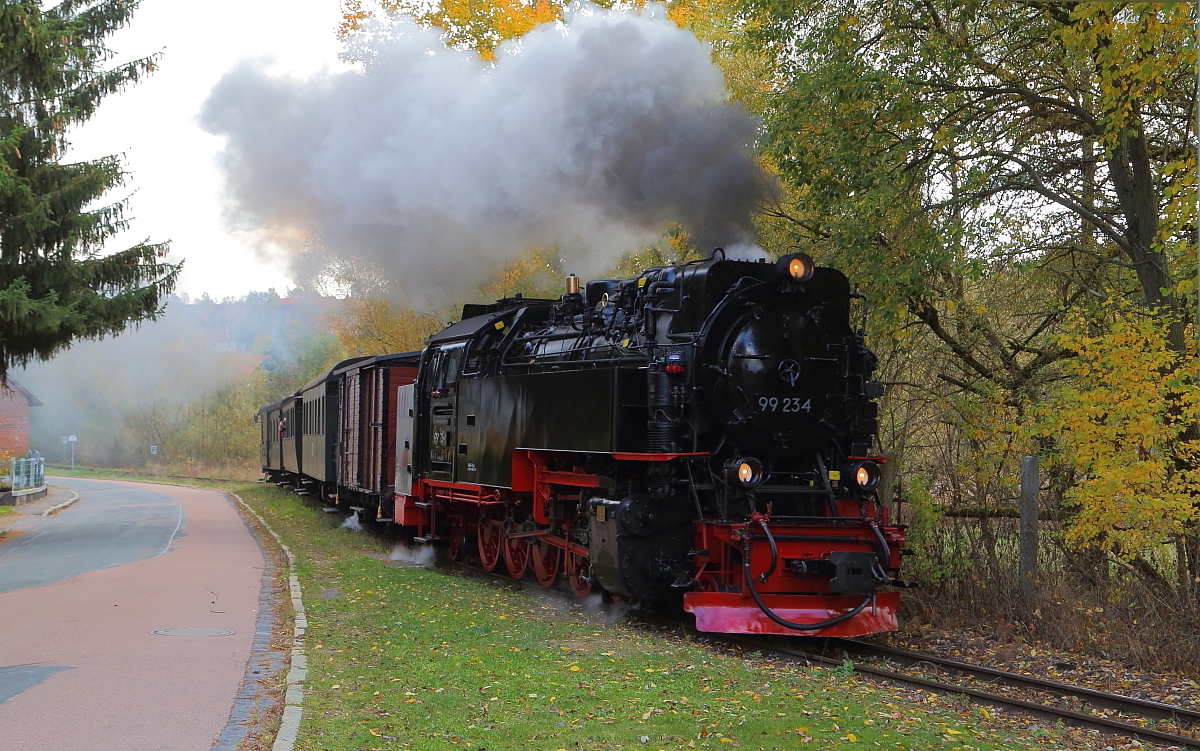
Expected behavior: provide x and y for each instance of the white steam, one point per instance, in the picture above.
(607, 613)
(437, 166)
(746, 252)
(421, 556)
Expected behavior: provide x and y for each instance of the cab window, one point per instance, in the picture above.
(447, 365)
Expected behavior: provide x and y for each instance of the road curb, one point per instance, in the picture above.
(293, 699)
(55, 509)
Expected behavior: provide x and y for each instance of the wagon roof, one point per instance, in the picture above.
(270, 407)
(405, 358)
(330, 373)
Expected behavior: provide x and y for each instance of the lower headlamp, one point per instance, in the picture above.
(865, 475)
(748, 470)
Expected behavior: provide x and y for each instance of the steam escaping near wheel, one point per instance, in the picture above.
(436, 166)
(420, 556)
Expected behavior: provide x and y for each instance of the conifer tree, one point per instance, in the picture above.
(57, 285)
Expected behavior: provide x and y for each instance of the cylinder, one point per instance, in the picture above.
(572, 285)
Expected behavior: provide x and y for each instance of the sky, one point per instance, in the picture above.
(175, 187)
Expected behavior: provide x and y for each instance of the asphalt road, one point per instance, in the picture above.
(111, 524)
(81, 595)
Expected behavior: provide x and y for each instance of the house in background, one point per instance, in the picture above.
(15, 401)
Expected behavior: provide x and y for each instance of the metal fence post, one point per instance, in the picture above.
(1027, 546)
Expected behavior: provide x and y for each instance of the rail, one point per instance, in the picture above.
(1143, 709)
(1099, 699)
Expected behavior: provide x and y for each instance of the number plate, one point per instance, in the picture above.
(784, 404)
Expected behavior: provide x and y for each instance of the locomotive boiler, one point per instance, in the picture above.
(702, 435)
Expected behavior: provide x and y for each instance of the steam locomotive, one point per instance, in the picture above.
(701, 435)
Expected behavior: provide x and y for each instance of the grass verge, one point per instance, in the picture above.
(408, 658)
(134, 475)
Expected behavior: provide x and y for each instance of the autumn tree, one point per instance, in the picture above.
(941, 149)
(1124, 411)
(480, 25)
(1036, 133)
(377, 326)
(932, 143)
(56, 284)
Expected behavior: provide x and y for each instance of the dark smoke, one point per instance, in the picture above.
(437, 166)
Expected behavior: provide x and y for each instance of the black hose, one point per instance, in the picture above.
(774, 553)
(884, 550)
(785, 623)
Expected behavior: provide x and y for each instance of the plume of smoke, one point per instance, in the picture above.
(419, 557)
(436, 166)
(352, 522)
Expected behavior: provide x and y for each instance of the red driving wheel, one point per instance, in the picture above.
(457, 544)
(546, 560)
(516, 556)
(490, 538)
(579, 574)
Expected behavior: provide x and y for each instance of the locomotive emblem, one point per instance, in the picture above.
(789, 372)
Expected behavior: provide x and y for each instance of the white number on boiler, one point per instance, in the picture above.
(786, 404)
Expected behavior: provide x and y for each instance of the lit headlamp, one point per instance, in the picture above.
(797, 267)
(748, 470)
(864, 475)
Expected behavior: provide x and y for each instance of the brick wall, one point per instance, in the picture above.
(14, 423)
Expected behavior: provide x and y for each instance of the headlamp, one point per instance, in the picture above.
(797, 267)
(748, 470)
(864, 474)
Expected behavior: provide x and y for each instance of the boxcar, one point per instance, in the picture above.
(366, 427)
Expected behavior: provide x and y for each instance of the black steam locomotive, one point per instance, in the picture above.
(701, 435)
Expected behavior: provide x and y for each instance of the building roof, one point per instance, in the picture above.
(14, 387)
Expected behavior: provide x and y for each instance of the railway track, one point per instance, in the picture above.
(1181, 716)
(1139, 708)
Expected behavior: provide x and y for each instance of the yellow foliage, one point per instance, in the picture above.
(535, 273)
(480, 25)
(748, 69)
(674, 248)
(1136, 50)
(1120, 424)
(370, 326)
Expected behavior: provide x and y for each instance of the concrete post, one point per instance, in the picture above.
(1028, 540)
